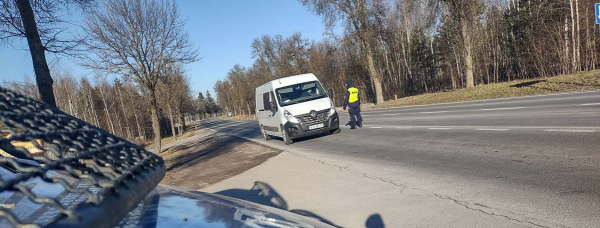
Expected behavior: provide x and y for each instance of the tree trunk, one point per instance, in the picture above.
(406, 54)
(36, 48)
(468, 55)
(155, 122)
(93, 109)
(119, 125)
(578, 44)
(110, 123)
(172, 122)
(249, 110)
(566, 63)
(374, 75)
(573, 40)
(71, 112)
(182, 121)
(137, 123)
(124, 113)
(181, 125)
(86, 107)
(457, 69)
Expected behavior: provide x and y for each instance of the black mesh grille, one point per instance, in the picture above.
(103, 176)
(320, 117)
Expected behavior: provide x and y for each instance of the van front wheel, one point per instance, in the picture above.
(286, 138)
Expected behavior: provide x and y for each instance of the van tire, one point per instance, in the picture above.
(262, 130)
(285, 137)
(336, 131)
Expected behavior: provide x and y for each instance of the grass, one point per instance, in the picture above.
(582, 81)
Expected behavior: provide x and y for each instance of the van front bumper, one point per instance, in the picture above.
(298, 130)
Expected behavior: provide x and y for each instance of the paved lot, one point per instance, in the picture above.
(533, 159)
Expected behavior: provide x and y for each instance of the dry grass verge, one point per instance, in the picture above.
(212, 158)
(565, 83)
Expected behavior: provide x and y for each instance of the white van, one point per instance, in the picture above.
(294, 107)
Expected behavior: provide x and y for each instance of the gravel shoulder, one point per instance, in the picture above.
(211, 157)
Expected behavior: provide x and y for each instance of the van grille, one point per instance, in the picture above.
(320, 117)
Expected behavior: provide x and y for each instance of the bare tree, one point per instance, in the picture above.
(171, 91)
(139, 38)
(37, 21)
(464, 13)
(361, 17)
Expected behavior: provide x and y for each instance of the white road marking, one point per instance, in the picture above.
(392, 114)
(493, 128)
(591, 104)
(493, 109)
(570, 130)
(433, 112)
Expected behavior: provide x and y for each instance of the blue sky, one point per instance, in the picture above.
(222, 30)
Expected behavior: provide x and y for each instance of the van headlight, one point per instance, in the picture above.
(290, 117)
(331, 110)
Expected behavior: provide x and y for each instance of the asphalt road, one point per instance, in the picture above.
(533, 159)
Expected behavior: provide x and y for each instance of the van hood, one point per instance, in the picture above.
(306, 107)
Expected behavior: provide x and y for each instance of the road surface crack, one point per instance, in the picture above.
(467, 205)
(403, 187)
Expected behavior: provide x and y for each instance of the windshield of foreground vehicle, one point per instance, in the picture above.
(300, 92)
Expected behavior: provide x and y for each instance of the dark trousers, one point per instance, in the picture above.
(354, 111)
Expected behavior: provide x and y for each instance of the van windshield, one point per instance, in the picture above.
(300, 92)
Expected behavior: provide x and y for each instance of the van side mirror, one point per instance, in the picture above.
(273, 107)
(330, 94)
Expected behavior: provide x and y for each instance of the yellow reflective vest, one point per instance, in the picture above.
(353, 95)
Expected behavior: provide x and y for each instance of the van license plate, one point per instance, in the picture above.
(312, 127)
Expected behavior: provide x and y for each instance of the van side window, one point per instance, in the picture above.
(266, 105)
(273, 99)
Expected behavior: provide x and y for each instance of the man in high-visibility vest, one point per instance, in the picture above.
(352, 101)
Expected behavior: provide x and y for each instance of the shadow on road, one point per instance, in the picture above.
(525, 84)
(263, 193)
(260, 193)
(298, 140)
(375, 221)
(247, 129)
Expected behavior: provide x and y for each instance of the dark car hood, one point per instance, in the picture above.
(165, 206)
(173, 207)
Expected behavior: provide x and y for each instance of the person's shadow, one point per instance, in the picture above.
(260, 193)
(374, 221)
(263, 193)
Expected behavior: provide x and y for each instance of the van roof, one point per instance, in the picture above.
(291, 80)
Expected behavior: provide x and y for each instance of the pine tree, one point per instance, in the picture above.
(200, 102)
(210, 105)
